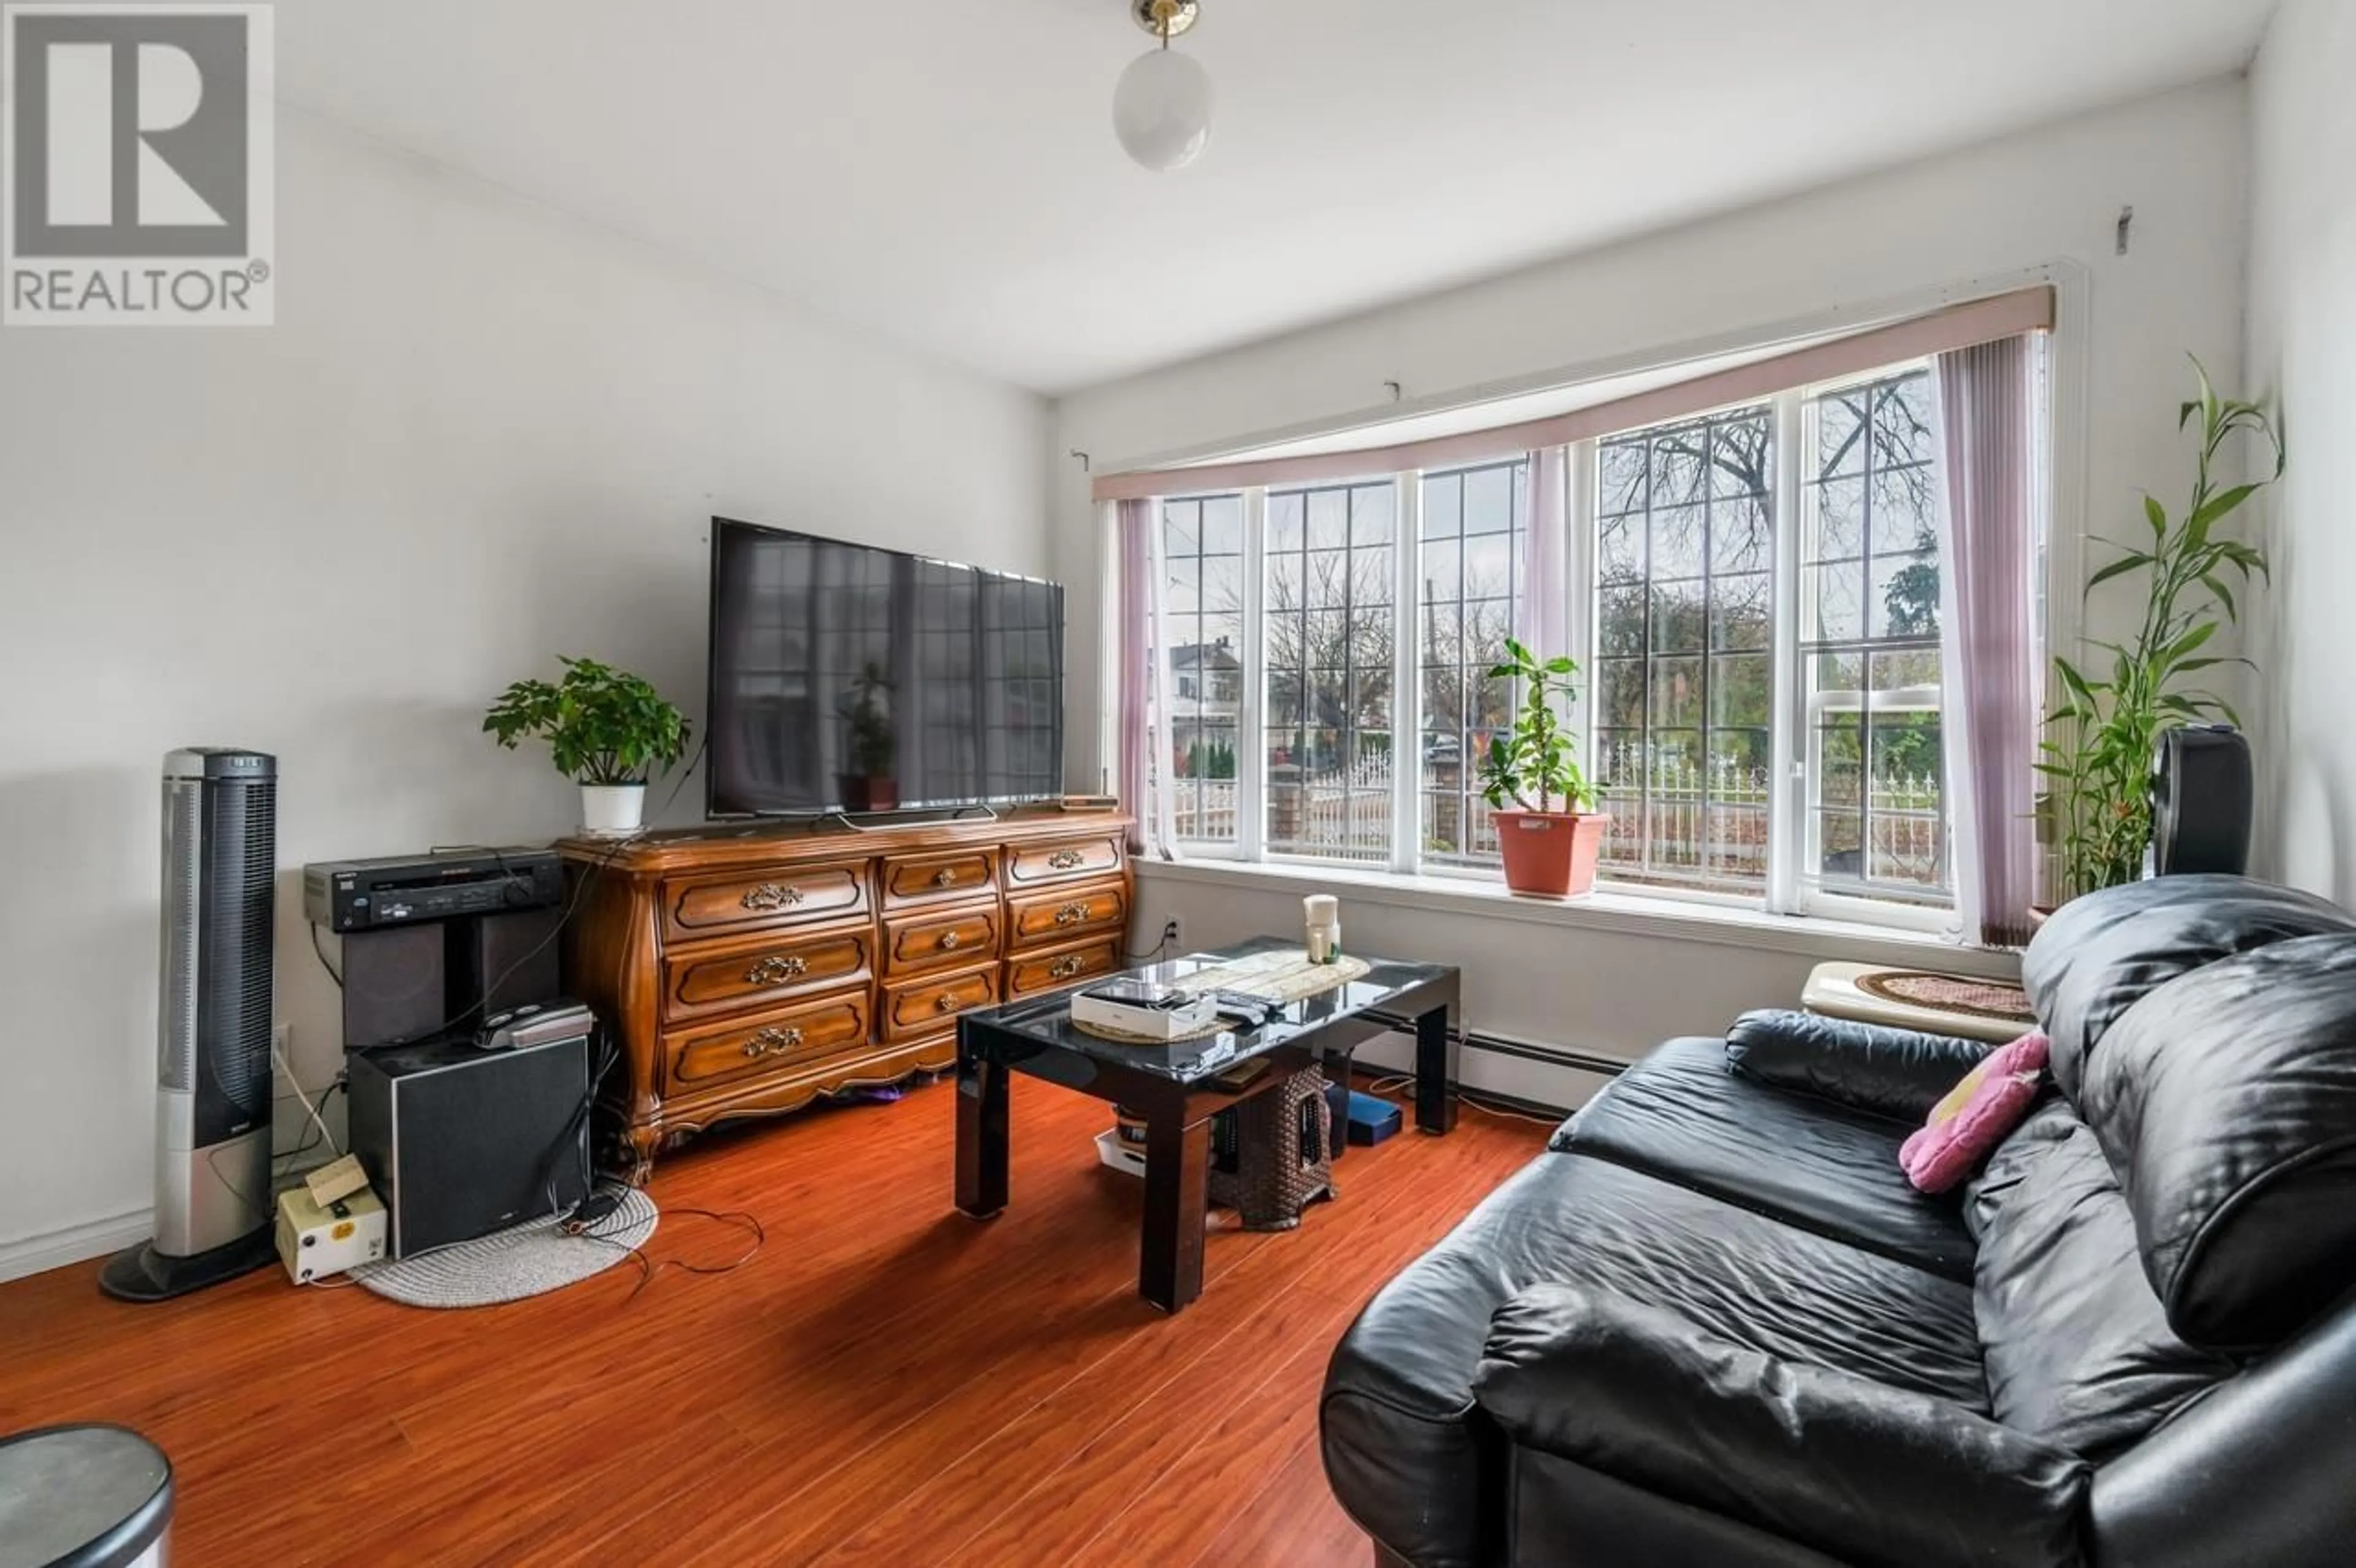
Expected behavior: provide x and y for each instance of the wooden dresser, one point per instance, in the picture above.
(747, 971)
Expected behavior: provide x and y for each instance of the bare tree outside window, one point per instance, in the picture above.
(1326, 625)
(1472, 564)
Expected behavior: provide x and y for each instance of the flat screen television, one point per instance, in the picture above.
(845, 678)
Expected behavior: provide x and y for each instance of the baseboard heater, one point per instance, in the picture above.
(1523, 1051)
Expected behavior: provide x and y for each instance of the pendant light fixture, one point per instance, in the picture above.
(1161, 109)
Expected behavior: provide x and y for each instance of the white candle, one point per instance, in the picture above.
(1321, 913)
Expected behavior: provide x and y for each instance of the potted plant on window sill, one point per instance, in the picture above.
(1548, 829)
(607, 729)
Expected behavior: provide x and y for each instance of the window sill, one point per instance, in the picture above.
(1623, 914)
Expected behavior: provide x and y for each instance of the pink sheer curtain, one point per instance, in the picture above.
(1132, 536)
(1985, 404)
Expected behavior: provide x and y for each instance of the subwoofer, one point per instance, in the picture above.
(213, 1086)
(2201, 792)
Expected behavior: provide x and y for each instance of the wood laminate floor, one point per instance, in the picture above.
(886, 1382)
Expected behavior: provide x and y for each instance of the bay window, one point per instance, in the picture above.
(1757, 593)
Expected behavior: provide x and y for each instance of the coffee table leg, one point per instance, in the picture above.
(1177, 1188)
(1435, 1070)
(981, 1135)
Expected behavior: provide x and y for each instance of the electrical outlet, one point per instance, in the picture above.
(1172, 935)
(282, 1046)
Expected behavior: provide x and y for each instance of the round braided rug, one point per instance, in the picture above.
(1950, 993)
(526, 1260)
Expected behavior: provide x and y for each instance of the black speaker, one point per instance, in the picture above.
(502, 962)
(2203, 787)
(396, 985)
(460, 1142)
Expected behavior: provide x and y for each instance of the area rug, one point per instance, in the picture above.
(1949, 993)
(526, 1260)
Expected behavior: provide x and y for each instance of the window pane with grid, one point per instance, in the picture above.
(1203, 557)
(1326, 625)
(1870, 583)
(1475, 533)
(1683, 678)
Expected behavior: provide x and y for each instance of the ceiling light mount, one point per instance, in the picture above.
(1165, 20)
(1161, 106)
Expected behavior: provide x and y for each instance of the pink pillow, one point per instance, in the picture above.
(1976, 1116)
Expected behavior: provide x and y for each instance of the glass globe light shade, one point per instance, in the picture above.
(1161, 109)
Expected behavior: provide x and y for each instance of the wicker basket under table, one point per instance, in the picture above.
(1279, 1156)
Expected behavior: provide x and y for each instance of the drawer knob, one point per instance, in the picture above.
(950, 939)
(946, 1002)
(771, 896)
(945, 878)
(772, 1042)
(776, 969)
(1065, 860)
(1072, 914)
(1066, 967)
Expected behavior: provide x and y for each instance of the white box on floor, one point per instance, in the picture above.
(315, 1241)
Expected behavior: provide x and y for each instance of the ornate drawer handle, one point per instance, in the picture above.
(950, 939)
(1065, 860)
(945, 878)
(771, 896)
(946, 1002)
(771, 1042)
(1072, 914)
(1066, 967)
(774, 970)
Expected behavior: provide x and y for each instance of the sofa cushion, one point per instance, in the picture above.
(1682, 1114)
(1875, 1474)
(2078, 1353)
(1899, 1073)
(1405, 1451)
(2227, 1104)
(2101, 953)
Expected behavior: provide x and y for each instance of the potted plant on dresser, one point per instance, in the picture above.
(607, 729)
(1548, 829)
(867, 784)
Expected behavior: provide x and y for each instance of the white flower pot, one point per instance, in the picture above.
(612, 811)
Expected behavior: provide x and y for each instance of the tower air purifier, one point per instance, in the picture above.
(213, 1087)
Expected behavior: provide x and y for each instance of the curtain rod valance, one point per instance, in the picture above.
(1957, 326)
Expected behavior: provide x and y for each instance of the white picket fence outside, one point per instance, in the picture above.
(1706, 821)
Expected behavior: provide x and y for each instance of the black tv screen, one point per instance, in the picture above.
(849, 678)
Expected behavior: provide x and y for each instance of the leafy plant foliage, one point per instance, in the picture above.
(866, 707)
(603, 726)
(2098, 746)
(1534, 758)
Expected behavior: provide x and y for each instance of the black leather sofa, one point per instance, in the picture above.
(1713, 1325)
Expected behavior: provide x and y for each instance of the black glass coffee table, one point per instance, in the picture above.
(1179, 1087)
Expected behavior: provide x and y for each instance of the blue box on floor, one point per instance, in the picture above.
(1371, 1120)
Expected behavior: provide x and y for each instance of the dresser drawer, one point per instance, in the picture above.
(746, 1048)
(1039, 972)
(916, 880)
(707, 978)
(926, 1005)
(741, 902)
(942, 940)
(1066, 915)
(1068, 860)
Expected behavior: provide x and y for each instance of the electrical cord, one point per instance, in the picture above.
(333, 972)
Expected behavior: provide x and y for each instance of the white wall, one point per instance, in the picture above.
(2303, 344)
(480, 435)
(2045, 195)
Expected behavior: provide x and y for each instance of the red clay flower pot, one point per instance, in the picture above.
(1552, 854)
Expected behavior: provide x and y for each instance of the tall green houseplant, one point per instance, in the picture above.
(2097, 750)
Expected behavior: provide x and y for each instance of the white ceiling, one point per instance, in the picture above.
(943, 171)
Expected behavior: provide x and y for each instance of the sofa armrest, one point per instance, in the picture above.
(1896, 1073)
(1854, 1468)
